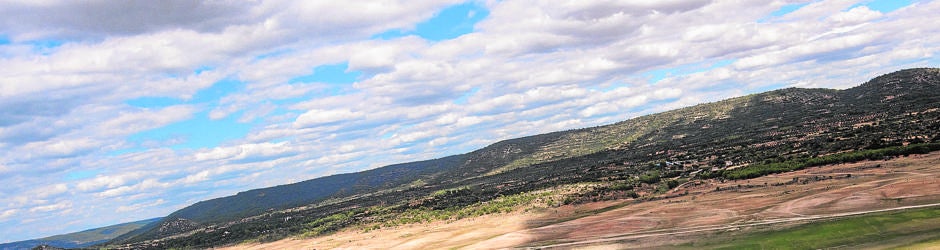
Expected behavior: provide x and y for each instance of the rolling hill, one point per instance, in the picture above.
(81, 239)
(743, 137)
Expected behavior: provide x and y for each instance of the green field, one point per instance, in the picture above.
(913, 229)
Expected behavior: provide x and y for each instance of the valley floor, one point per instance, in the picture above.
(693, 213)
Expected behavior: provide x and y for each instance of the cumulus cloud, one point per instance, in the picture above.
(319, 117)
(62, 148)
(63, 205)
(139, 206)
(55, 189)
(248, 152)
(111, 181)
(102, 18)
(130, 122)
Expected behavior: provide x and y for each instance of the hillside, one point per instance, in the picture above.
(642, 158)
(81, 239)
(703, 214)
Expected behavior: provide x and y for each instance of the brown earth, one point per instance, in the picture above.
(694, 210)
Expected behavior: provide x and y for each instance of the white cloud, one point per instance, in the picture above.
(59, 206)
(101, 182)
(319, 117)
(145, 185)
(55, 189)
(62, 148)
(139, 206)
(665, 93)
(375, 56)
(6, 214)
(247, 152)
(856, 15)
(131, 122)
(198, 177)
(72, 19)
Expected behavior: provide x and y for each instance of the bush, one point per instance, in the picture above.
(757, 170)
(650, 178)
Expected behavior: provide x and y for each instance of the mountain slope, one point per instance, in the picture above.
(891, 110)
(81, 239)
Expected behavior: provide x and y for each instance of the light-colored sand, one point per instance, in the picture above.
(899, 182)
(434, 235)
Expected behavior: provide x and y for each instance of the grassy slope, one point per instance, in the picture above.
(883, 230)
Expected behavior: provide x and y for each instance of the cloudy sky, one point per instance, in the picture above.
(114, 111)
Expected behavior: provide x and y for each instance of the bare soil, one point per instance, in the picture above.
(696, 210)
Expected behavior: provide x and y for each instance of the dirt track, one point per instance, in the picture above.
(816, 193)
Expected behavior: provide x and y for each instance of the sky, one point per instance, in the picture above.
(116, 111)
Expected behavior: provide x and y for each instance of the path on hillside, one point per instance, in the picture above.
(687, 230)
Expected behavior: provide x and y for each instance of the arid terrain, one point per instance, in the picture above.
(691, 212)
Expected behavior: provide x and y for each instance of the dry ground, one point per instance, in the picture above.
(694, 210)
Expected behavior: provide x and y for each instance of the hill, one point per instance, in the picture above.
(701, 214)
(743, 137)
(80, 239)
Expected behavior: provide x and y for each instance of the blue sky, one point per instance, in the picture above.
(120, 116)
(448, 23)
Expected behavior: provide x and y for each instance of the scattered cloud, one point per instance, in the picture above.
(6, 214)
(51, 207)
(139, 206)
(116, 112)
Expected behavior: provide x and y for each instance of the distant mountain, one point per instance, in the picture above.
(80, 239)
(701, 141)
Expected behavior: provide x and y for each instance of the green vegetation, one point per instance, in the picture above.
(450, 191)
(387, 217)
(377, 217)
(876, 230)
(650, 177)
(329, 223)
(930, 243)
(757, 170)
